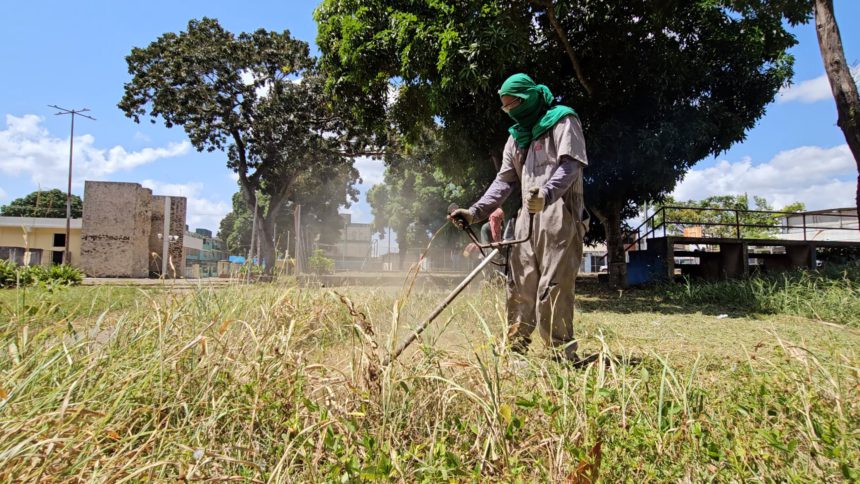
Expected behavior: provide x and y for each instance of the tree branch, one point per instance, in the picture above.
(562, 37)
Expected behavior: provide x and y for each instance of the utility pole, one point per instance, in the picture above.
(287, 256)
(253, 238)
(165, 238)
(345, 233)
(297, 218)
(67, 259)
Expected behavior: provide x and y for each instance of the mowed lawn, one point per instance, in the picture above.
(284, 383)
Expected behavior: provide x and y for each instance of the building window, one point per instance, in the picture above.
(59, 240)
(35, 257)
(12, 254)
(57, 257)
(18, 255)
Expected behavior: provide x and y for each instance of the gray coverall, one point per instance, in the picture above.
(543, 271)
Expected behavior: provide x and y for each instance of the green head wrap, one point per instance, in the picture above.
(535, 115)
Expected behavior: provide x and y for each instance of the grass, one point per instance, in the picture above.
(279, 382)
(832, 294)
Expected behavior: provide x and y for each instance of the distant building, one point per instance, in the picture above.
(121, 234)
(836, 224)
(355, 246)
(43, 238)
(203, 251)
(593, 258)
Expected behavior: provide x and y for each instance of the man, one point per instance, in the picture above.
(544, 158)
(490, 232)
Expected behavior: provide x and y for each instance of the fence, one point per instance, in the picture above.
(735, 224)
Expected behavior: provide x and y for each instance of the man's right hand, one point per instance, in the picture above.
(461, 217)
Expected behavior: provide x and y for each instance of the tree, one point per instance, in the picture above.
(44, 204)
(255, 96)
(414, 196)
(320, 194)
(841, 81)
(659, 85)
(235, 227)
(730, 210)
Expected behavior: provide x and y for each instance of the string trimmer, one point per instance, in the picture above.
(488, 258)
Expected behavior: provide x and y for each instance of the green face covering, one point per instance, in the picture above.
(535, 115)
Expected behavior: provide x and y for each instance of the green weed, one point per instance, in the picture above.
(831, 294)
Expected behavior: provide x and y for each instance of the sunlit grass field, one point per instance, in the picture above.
(276, 382)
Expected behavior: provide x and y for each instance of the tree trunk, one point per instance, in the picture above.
(266, 237)
(265, 240)
(841, 82)
(610, 217)
(401, 256)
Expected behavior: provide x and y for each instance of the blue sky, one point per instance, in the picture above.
(73, 54)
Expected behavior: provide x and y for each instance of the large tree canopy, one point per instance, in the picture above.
(254, 96)
(45, 203)
(659, 85)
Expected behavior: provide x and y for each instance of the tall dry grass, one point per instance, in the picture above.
(280, 383)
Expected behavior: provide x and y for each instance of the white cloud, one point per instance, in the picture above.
(140, 136)
(26, 147)
(371, 171)
(201, 212)
(819, 177)
(811, 90)
(3, 194)
(233, 176)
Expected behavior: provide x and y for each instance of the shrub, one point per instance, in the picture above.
(65, 274)
(320, 264)
(7, 273)
(12, 275)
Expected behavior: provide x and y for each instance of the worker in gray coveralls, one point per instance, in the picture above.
(544, 157)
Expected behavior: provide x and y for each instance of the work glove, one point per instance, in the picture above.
(461, 217)
(536, 201)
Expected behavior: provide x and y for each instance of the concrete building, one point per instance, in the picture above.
(176, 224)
(593, 258)
(119, 234)
(202, 253)
(45, 238)
(355, 246)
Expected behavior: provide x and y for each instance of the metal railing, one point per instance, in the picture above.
(661, 220)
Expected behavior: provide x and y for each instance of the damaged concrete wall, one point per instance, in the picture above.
(115, 229)
(175, 250)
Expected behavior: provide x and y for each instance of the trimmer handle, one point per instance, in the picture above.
(462, 224)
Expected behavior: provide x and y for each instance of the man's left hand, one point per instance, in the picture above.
(536, 201)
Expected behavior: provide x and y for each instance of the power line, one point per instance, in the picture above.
(72, 113)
